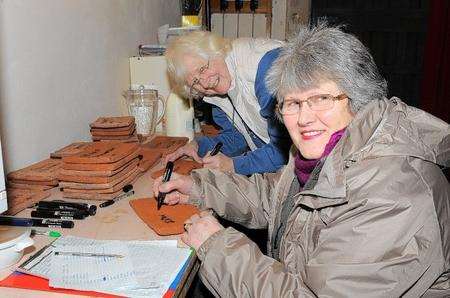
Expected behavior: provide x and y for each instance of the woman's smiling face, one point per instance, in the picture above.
(311, 130)
(208, 77)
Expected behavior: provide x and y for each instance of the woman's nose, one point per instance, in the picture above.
(206, 82)
(305, 115)
(203, 82)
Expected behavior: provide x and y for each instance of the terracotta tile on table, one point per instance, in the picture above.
(101, 166)
(114, 137)
(85, 177)
(34, 187)
(45, 171)
(129, 139)
(180, 166)
(121, 131)
(102, 152)
(69, 150)
(20, 199)
(166, 144)
(128, 179)
(110, 122)
(91, 196)
(92, 173)
(98, 185)
(149, 158)
(169, 220)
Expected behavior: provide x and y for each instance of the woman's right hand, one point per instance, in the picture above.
(178, 188)
(190, 149)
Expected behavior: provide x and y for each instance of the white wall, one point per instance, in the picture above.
(63, 63)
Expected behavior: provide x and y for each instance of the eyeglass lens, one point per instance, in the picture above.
(196, 80)
(320, 102)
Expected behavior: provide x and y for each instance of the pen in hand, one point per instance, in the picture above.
(167, 174)
(216, 149)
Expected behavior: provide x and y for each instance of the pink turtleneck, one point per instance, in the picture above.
(304, 167)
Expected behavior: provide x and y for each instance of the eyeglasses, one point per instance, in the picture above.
(320, 102)
(192, 91)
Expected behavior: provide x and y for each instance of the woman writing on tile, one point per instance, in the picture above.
(361, 209)
(230, 76)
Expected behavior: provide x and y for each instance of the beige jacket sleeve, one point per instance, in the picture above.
(229, 255)
(233, 266)
(234, 197)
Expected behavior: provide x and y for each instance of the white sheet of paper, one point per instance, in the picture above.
(147, 269)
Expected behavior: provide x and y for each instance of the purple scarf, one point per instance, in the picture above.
(304, 167)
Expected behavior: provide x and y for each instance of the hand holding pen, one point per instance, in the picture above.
(218, 161)
(216, 149)
(177, 190)
(166, 177)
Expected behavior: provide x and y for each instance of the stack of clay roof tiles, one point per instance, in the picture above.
(114, 128)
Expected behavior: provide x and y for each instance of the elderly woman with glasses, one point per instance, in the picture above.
(361, 210)
(230, 76)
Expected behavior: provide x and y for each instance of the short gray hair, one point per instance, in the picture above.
(323, 52)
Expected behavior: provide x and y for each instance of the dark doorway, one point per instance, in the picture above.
(395, 33)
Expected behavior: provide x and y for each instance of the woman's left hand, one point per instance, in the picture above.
(219, 161)
(199, 228)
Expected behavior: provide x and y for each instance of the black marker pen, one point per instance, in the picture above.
(63, 205)
(57, 214)
(216, 149)
(70, 212)
(167, 174)
(54, 223)
(127, 191)
(35, 222)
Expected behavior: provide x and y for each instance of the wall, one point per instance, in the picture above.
(287, 16)
(63, 63)
(297, 14)
(279, 14)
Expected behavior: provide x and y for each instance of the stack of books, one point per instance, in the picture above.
(100, 170)
(114, 128)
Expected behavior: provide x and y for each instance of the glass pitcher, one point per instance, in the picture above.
(143, 105)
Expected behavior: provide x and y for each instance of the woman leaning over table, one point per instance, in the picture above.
(230, 76)
(361, 209)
